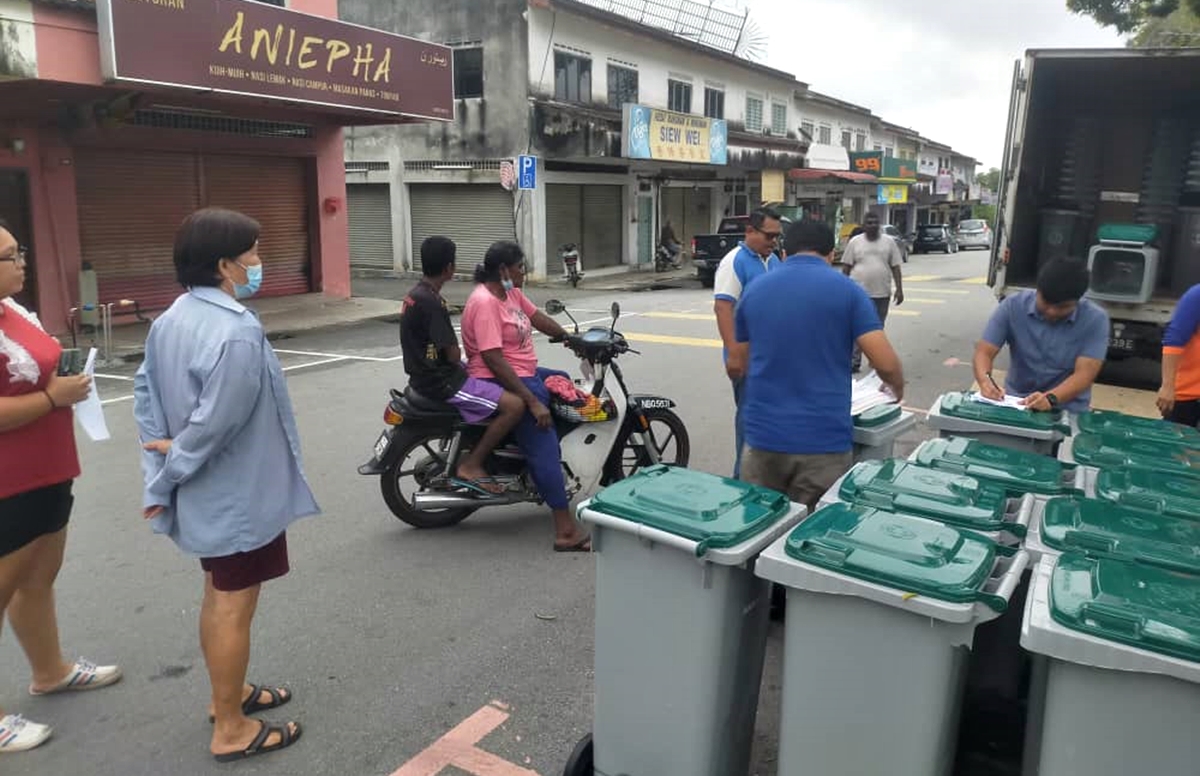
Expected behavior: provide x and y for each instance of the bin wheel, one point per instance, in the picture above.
(580, 761)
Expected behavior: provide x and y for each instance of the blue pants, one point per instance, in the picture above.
(540, 446)
(739, 435)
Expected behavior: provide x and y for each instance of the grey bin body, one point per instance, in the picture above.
(879, 443)
(1026, 440)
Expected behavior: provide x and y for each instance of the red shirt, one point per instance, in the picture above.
(43, 452)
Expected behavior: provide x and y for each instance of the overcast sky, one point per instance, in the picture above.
(942, 67)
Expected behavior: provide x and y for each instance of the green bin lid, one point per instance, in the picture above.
(877, 416)
(961, 405)
(716, 512)
(1128, 602)
(1105, 529)
(1107, 452)
(1117, 424)
(954, 499)
(1017, 471)
(907, 553)
(1130, 233)
(1172, 494)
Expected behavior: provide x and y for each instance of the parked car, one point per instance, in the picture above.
(974, 233)
(709, 249)
(935, 237)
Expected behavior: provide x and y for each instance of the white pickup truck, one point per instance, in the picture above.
(1099, 141)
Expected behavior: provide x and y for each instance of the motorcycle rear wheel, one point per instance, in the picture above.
(627, 457)
(421, 469)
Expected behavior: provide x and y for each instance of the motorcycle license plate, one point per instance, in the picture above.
(381, 444)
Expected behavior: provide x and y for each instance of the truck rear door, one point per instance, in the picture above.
(1018, 108)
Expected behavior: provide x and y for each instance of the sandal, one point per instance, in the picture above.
(252, 704)
(583, 545)
(259, 744)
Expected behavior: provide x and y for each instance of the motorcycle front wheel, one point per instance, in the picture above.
(420, 458)
(667, 434)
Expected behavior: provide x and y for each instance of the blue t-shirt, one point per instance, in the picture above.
(801, 321)
(1042, 353)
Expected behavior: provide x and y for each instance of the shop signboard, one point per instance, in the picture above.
(665, 136)
(892, 194)
(259, 50)
(867, 163)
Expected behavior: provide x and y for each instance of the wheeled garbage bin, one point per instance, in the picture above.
(681, 621)
(1016, 471)
(882, 610)
(876, 431)
(1102, 528)
(956, 414)
(953, 499)
(1172, 494)
(1117, 679)
(1118, 424)
(1102, 451)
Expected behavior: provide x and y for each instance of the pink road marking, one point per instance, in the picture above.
(459, 748)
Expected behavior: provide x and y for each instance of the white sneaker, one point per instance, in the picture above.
(18, 734)
(84, 675)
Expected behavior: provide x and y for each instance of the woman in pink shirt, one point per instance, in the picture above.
(497, 331)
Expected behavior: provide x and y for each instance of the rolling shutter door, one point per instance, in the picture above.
(274, 192)
(370, 209)
(130, 206)
(473, 216)
(564, 224)
(603, 227)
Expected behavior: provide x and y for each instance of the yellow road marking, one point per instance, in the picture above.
(947, 291)
(666, 339)
(979, 281)
(918, 300)
(681, 316)
(903, 313)
(921, 278)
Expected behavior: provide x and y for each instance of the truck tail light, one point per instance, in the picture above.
(1007, 254)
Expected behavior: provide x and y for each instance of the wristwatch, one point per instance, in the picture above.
(1053, 401)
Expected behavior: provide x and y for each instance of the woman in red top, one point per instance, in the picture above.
(38, 463)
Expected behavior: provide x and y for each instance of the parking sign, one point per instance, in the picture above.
(527, 173)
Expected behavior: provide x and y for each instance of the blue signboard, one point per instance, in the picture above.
(667, 136)
(526, 173)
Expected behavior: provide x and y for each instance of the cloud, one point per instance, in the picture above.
(942, 67)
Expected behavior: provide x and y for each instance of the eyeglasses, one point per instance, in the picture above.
(18, 257)
(768, 235)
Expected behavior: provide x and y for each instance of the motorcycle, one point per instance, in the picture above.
(572, 264)
(664, 259)
(419, 449)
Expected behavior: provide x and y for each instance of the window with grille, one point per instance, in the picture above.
(888, 151)
(679, 96)
(860, 142)
(826, 136)
(622, 86)
(714, 103)
(808, 129)
(778, 119)
(754, 114)
(847, 141)
(572, 78)
(468, 73)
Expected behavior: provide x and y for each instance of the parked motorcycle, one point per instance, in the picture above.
(572, 263)
(664, 259)
(419, 449)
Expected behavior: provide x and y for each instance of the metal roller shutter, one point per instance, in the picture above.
(564, 224)
(370, 209)
(274, 192)
(130, 206)
(473, 215)
(603, 226)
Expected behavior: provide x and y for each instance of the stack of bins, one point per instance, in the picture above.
(958, 415)
(681, 622)
(882, 610)
(1075, 524)
(876, 430)
(1016, 471)
(1118, 451)
(954, 499)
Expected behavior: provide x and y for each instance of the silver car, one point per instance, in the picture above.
(974, 233)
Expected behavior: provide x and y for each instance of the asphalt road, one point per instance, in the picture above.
(391, 637)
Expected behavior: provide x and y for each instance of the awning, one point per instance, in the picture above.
(841, 176)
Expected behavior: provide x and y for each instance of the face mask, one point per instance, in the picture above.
(254, 276)
(508, 284)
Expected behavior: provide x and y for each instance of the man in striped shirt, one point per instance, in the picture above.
(1179, 396)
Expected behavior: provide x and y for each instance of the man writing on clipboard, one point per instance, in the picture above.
(1057, 341)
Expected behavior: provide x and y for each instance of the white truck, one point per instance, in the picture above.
(1102, 163)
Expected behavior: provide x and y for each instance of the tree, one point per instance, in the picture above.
(989, 180)
(1180, 28)
(1130, 15)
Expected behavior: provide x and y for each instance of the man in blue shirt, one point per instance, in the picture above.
(801, 323)
(1057, 341)
(751, 259)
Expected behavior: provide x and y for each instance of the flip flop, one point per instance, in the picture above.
(477, 485)
(258, 745)
(252, 704)
(583, 545)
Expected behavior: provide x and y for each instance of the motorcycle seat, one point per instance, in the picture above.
(421, 406)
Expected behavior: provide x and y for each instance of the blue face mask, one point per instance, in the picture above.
(254, 276)
(508, 285)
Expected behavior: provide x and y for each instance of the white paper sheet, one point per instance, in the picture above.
(89, 412)
(868, 392)
(1015, 402)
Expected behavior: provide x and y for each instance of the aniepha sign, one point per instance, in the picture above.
(665, 136)
(257, 50)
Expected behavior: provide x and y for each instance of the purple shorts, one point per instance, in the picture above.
(477, 400)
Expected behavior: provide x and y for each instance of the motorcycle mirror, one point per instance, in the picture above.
(616, 311)
(555, 307)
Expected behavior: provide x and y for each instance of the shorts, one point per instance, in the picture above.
(243, 570)
(33, 514)
(802, 478)
(477, 400)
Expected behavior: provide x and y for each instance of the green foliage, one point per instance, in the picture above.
(989, 180)
(986, 212)
(1130, 16)
(1180, 29)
